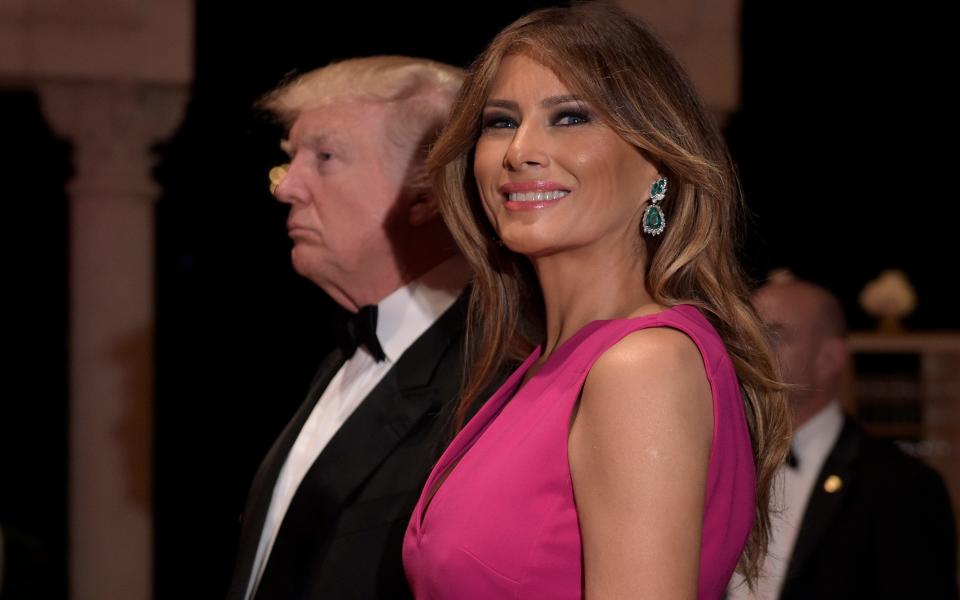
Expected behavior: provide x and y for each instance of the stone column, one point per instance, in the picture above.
(112, 127)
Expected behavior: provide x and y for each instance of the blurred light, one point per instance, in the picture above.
(276, 176)
(832, 484)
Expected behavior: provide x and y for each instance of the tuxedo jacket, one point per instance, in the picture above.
(342, 534)
(887, 530)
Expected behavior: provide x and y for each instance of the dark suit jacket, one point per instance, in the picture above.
(342, 534)
(887, 532)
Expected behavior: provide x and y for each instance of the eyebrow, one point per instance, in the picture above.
(312, 141)
(546, 103)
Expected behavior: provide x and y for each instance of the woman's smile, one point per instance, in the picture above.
(532, 195)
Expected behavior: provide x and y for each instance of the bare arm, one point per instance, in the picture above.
(639, 447)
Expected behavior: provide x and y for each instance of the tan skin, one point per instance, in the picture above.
(639, 442)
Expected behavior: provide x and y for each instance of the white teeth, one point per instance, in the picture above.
(537, 196)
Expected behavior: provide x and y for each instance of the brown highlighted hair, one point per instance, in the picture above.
(641, 92)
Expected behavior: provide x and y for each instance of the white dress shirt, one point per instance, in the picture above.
(402, 317)
(811, 445)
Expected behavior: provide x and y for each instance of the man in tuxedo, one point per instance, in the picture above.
(329, 505)
(860, 518)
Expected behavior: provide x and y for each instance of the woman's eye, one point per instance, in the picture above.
(499, 122)
(569, 118)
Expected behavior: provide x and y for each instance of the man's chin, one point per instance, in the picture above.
(304, 266)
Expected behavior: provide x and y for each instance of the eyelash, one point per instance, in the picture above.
(496, 121)
(499, 121)
(573, 114)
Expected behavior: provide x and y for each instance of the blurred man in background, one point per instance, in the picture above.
(860, 518)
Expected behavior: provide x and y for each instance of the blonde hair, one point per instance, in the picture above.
(644, 95)
(420, 90)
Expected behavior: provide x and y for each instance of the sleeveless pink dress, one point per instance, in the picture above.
(504, 522)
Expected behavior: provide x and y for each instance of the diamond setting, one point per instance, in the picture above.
(658, 191)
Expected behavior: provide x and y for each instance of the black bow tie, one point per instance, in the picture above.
(359, 329)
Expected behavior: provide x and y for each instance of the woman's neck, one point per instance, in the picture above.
(584, 285)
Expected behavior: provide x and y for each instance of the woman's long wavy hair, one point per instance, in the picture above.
(641, 92)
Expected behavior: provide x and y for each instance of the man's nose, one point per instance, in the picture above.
(286, 184)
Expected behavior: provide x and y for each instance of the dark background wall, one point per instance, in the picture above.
(845, 141)
(34, 167)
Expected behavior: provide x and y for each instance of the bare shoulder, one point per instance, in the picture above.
(647, 394)
(658, 365)
(638, 450)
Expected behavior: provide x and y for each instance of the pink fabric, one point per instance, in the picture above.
(504, 522)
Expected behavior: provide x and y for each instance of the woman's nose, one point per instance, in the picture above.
(527, 149)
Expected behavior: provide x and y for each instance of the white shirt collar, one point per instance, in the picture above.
(813, 440)
(408, 311)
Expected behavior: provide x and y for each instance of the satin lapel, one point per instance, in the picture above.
(839, 468)
(400, 401)
(261, 490)
(402, 398)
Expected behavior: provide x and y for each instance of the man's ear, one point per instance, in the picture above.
(422, 209)
(833, 357)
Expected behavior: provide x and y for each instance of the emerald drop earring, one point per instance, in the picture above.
(654, 221)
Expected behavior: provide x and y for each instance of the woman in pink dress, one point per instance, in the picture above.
(631, 454)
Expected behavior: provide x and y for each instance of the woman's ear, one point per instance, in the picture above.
(422, 209)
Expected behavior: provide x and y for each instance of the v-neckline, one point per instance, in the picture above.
(482, 420)
(488, 414)
(439, 476)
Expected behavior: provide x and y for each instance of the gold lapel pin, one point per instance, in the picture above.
(832, 484)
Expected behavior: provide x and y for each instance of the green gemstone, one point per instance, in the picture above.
(653, 220)
(659, 187)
